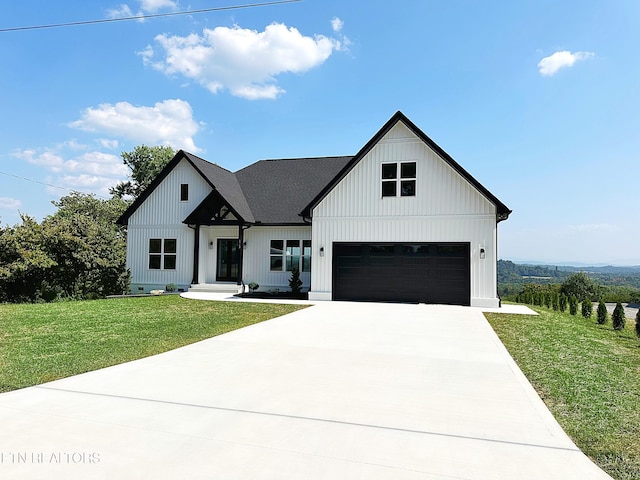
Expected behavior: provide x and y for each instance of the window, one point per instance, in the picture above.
(406, 182)
(162, 253)
(184, 192)
(285, 255)
(277, 248)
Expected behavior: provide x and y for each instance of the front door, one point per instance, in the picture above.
(227, 270)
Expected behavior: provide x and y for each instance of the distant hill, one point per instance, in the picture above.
(514, 273)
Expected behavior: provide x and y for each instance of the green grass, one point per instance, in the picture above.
(44, 342)
(589, 377)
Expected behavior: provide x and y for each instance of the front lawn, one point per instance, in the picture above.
(589, 377)
(44, 342)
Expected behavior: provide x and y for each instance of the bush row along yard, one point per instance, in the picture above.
(588, 375)
(45, 342)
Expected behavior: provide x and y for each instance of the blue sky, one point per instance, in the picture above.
(538, 100)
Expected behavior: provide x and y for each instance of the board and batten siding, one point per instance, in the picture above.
(445, 208)
(161, 216)
(256, 256)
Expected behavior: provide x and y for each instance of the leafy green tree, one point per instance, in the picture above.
(78, 252)
(587, 308)
(638, 323)
(88, 247)
(144, 164)
(556, 301)
(24, 262)
(581, 286)
(602, 313)
(618, 319)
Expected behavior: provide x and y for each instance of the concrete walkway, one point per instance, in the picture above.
(335, 391)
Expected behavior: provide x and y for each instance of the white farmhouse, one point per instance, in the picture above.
(399, 221)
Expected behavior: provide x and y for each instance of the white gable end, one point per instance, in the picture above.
(440, 190)
(163, 206)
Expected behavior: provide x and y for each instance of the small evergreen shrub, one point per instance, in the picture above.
(294, 282)
(573, 305)
(556, 301)
(253, 286)
(563, 302)
(587, 308)
(618, 318)
(602, 313)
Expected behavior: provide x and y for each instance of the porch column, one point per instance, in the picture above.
(240, 252)
(196, 254)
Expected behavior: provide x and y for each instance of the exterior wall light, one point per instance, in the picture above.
(482, 254)
(322, 251)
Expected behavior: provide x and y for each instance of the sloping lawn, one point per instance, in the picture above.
(589, 377)
(44, 342)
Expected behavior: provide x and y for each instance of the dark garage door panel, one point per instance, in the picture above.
(402, 272)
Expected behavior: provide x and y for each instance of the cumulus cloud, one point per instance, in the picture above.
(9, 203)
(166, 123)
(550, 65)
(92, 171)
(337, 24)
(246, 62)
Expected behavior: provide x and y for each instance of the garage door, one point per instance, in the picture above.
(402, 272)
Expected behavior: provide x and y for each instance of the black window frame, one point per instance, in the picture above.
(184, 192)
(284, 255)
(163, 253)
(398, 179)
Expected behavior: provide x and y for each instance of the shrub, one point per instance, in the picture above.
(638, 323)
(556, 301)
(563, 302)
(602, 313)
(573, 305)
(294, 282)
(587, 308)
(253, 286)
(171, 287)
(618, 318)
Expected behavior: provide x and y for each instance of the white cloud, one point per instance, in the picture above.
(166, 123)
(246, 62)
(9, 203)
(337, 24)
(153, 6)
(146, 7)
(123, 11)
(550, 65)
(92, 172)
(110, 144)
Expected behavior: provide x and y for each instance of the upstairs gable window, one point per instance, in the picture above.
(184, 192)
(399, 177)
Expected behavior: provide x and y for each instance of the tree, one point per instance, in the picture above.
(78, 252)
(587, 308)
(581, 286)
(144, 163)
(88, 247)
(602, 313)
(618, 318)
(638, 323)
(563, 302)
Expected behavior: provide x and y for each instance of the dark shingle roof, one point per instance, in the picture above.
(278, 190)
(225, 182)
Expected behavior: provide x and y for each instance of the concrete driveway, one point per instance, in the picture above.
(335, 391)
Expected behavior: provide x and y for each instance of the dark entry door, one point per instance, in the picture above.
(227, 270)
(402, 272)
